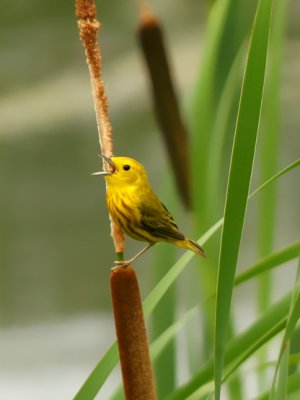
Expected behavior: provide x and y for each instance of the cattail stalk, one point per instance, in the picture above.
(130, 325)
(88, 29)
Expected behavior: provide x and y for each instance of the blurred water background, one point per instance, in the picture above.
(55, 247)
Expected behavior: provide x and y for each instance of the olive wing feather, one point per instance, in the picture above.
(159, 222)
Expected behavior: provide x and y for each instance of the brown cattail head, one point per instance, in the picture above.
(164, 98)
(132, 338)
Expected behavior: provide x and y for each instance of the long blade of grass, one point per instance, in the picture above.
(294, 314)
(268, 158)
(239, 346)
(97, 377)
(239, 177)
(273, 260)
(163, 317)
(157, 346)
(290, 167)
(201, 117)
(283, 369)
(282, 363)
(270, 144)
(164, 314)
(252, 349)
(294, 350)
(293, 386)
(269, 262)
(293, 359)
(293, 317)
(219, 130)
(202, 108)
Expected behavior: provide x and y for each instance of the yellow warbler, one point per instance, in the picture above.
(134, 206)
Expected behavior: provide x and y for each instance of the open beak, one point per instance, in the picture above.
(103, 173)
(111, 163)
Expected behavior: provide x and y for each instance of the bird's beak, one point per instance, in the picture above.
(103, 173)
(111, 163)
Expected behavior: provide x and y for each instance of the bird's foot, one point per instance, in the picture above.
(121, 264)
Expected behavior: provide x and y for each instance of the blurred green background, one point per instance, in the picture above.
(55, 246)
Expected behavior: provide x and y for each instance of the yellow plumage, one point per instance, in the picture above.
(134, 206)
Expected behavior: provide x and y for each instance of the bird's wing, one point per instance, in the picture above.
(158, 221)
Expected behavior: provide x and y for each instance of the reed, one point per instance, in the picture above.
(130, 325)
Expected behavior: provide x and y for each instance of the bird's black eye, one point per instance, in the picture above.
(126, 167)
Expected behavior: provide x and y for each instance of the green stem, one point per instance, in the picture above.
(119, 256)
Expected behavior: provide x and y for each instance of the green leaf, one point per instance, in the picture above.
(98, 376)
(269, 262)
(293, 386)
(293, 317)
(268, 158)
(294, 358)
(159, 344)
(163, 317)
(282, 386)
(269, 147)
(266, 263)
(202, 108)
(201, 116)
(240, 348)
(239, 177)
(294, 351)
(291, 166)
(220, 128)
(294, 313)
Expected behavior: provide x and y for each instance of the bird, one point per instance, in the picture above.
(136, 209)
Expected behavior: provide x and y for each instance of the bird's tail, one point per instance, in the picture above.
(191, 245)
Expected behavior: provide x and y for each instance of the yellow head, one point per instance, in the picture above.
(124, 171)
